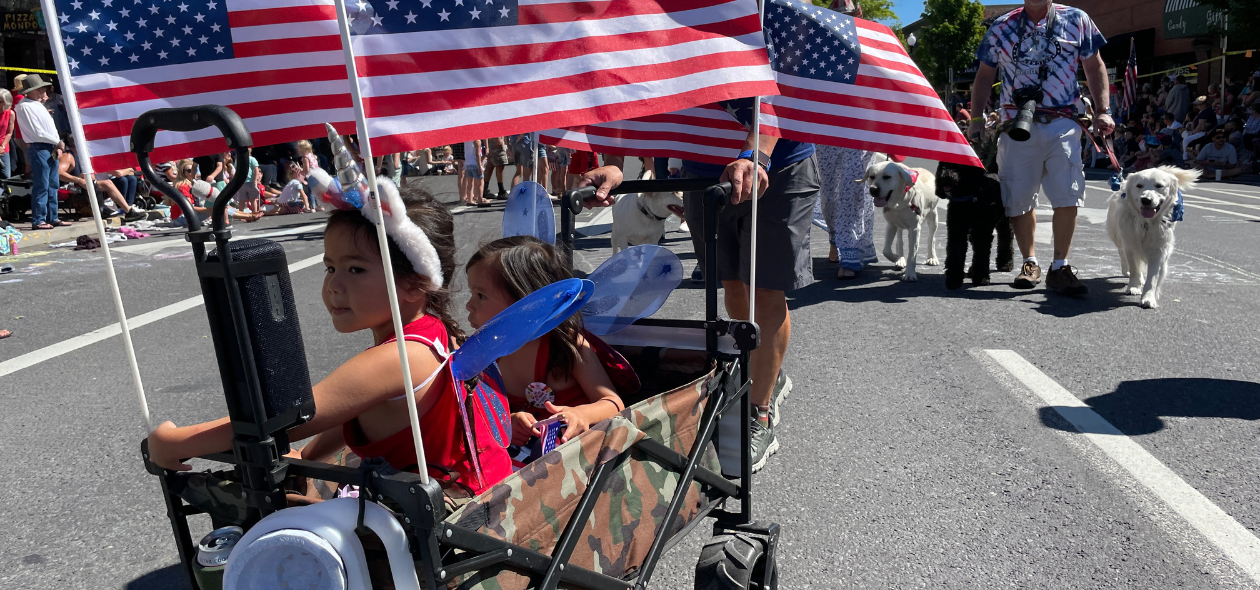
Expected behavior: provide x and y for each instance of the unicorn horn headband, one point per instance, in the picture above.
(349, 191)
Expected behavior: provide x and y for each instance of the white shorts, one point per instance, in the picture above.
(1049, 162)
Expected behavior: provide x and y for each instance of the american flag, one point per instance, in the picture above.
(842, 81)
(705, 133)
(435, 72)
(1130, 79)
(277, 63)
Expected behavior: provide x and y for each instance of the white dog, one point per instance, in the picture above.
(1139, 222)
(908, 196)
(639, 218)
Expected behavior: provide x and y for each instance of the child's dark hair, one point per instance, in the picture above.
(436, 222)
(521, 265)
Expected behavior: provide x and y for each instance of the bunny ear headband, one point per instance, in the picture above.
(349, 191)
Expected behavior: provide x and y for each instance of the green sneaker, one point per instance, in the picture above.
(763, 442)
(782, 387)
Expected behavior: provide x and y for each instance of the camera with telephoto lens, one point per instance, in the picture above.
(1027, 98)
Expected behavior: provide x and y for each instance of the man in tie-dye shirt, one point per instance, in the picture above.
(1043, 43)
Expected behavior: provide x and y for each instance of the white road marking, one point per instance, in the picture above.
(153, 247)
(1219, 264)
(1220, 202)
(1232, 538)
(52, 351)
(1228, 192)
(1236, 214)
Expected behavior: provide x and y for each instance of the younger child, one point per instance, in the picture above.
(292, 198)
(361, 405)
(558, 374)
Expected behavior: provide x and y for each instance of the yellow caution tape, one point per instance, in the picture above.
(29, 70)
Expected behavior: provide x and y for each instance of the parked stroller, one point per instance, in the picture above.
(597, 512)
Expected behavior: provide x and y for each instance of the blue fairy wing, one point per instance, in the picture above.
(520, 216)
(630, 286)
(523, 321)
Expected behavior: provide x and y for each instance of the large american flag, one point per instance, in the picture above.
(277, 63)
(435, 72)
(1130, 79)
(842, 81)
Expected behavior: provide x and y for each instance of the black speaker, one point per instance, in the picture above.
(275, 353)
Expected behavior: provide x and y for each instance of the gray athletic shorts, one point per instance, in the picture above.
(784, 218)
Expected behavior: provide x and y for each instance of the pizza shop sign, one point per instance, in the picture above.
(21, 22)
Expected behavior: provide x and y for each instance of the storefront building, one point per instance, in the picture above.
(1169, 35)
(25, 43)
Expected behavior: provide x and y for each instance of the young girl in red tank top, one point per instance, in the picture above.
(556, 375)
(361, 404)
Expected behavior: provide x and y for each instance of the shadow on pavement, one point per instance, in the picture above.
(857, 290)
(171, 577)
(1104, 295)
(1138, 407)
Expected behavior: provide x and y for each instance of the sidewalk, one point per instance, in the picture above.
(41, 239)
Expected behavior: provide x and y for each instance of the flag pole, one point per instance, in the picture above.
(756, 146)
(534, 155)
(365, 150)
(84, 160)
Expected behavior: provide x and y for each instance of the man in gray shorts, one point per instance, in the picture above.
(789, 185)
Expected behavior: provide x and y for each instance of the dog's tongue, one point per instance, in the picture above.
(676, 210)
(1149, 212)
(880, 201)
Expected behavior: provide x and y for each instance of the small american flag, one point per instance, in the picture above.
(277, 63)
(435, 72)
(1130, 79)
(842, 81)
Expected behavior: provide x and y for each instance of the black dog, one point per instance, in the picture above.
(975, 210)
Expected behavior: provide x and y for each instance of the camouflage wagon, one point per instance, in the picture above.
(597, 512)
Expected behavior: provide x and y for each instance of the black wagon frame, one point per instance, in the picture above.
(440, 550)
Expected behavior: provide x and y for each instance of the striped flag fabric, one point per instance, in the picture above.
(277, 63)
(706, 133)
(1130, 79)
(436, 72)
(842, 81)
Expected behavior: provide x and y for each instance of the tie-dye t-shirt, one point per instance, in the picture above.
(1018, 48)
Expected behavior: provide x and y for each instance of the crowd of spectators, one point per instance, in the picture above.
(1167, 125)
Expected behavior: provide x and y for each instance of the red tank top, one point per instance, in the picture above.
(442, 429)
(535, 399)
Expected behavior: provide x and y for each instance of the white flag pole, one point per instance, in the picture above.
(756, 131)
(84, 162)
(534, 155)
(365, 150)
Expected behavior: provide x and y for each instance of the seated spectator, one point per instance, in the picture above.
(1168, 154)
(183, 175)
(1146, 153)
(1251, 129)
(292, 198)
(1201, 127)
(67, 174)
(1218, 155)
(1172, 127)
(1131, 148)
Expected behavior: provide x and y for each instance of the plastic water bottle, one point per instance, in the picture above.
(1115, 181)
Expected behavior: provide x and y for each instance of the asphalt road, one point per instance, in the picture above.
(912, 457)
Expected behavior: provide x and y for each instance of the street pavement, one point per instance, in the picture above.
(983, 438)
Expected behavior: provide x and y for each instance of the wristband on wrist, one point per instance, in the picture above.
(762, 158)
(974, 119)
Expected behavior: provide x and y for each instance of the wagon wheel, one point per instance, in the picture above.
(734, 562)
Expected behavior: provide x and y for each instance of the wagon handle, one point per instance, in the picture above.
(186, 119)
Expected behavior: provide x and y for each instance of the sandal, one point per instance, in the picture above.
(60, 223)
(41, 226)
(5, 334)
(853, 274)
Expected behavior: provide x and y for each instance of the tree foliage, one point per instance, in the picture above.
(1244, 22)
(952, 30)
